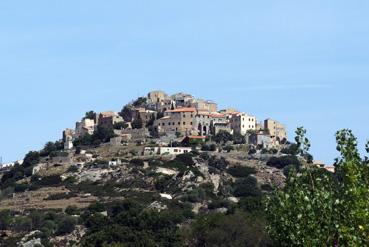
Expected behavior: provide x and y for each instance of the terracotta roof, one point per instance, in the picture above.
(184, 109)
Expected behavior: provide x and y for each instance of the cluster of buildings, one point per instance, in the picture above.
(179, 115)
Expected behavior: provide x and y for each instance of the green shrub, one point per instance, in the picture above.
(72, 210)
(283, 161)
(137, 162)
(218, 163)
(241, 171)
(185, 159)
(246, 187)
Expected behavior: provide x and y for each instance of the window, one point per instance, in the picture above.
(191, 115)
(191, 123)
(179, 123)
(184, 123)
(184, 115)
(168, 123)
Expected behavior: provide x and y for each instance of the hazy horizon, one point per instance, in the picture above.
(301, 63)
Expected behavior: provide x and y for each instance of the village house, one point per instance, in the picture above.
(180, 120)
(276, 130)
(84, 127)
(182, 99)
(217, 127)
(145, 115)
(242, 122)
(109, 118)
(204, 105)
(166, 150)
(260, 138)
(205, 121)
(156, 96)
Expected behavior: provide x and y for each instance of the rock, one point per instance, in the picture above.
(157, 206)
(233, 199)
(167, 196)
(166, 171)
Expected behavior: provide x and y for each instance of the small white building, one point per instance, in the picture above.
(166, 150)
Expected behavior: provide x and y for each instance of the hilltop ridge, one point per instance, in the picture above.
(169, 154)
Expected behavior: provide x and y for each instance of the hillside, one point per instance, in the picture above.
(106, 189)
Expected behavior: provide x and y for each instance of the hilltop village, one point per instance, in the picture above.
(180, 118)
(167, 160)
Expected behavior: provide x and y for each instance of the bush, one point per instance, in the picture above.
(137, 162)
(66, 226)
(241, 171)
(281, 162)
(251, 204)
(72, 210)
(246, 187)
(228, 148)
(53, 180)
(292, 149)
(211, 147)
(220, 163)
(185, 159)
(59, 196)
(223, 137)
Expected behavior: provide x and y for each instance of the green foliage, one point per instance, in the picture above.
(228, 148)
(90, 115)
(137, 162)
(53, 180)
(51, 147)
(72, 210)
(207, 147)
(239, 139)
(318, 208)
(246, 187)
(127, 113)
(185, 159)
(241, 171)
(120, 125)
(218, 163)
(140, 102)
(5, 219)
(292, 149)
(283, 161)
(101, 135)
(130, 224)
(238, 229)
(137, 123)
(32, 158)
(223, 137)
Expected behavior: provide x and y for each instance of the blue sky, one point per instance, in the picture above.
(300, 62)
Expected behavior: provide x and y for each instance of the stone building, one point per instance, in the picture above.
(85, 126)
(242, 122)
(180, 120)
(109, 118)
(276, 130)
(156, 96)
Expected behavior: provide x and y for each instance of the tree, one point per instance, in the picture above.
(318, 208)
(140, 102)
(120, 125)
(90, 115)
(127, 113)
(223, 137)
(233, 230)
(137, 123)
